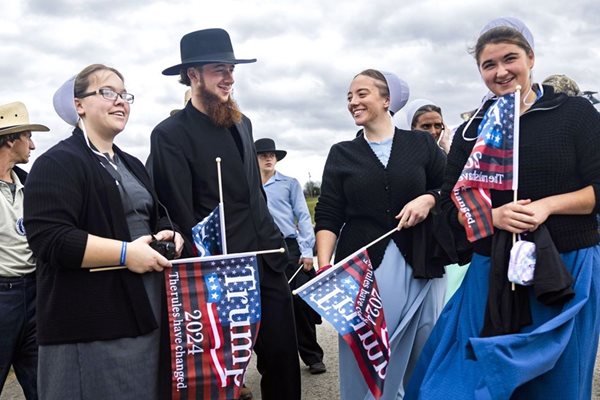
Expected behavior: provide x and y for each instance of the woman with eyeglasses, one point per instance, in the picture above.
(89, 204)
(536, 338)
(424, 115)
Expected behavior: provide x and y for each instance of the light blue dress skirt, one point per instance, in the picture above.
(553, 358)
(411, 307)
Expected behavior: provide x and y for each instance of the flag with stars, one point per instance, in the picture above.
(214, 316)
(492, 164)
(348, 298)
(207, 234)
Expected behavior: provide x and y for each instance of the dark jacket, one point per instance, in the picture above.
(360, 197)
(182, 165)
(508, 310)
(68, 196)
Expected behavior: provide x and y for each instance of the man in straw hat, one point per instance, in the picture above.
(289, 210)
(183, 151)
(18, 346)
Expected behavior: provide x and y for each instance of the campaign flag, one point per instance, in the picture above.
(492, 164)
(214, 316)
(207, 234)
(347, 297)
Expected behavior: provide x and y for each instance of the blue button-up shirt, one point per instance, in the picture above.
(289, 210)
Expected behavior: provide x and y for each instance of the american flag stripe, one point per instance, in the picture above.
(217, 338)
(186, 288)
(480, 210)
(371, 379)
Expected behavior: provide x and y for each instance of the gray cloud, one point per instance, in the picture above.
(308, 51)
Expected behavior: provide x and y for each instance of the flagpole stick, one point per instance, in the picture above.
(199, 259)
(232, 255)
(515, 172)
(339, 263)
(296, 273)
(222, 208)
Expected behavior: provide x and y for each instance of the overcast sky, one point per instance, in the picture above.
(307, 51)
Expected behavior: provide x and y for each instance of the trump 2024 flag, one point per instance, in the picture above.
(214, 315)
(492, 164)
(347, 297)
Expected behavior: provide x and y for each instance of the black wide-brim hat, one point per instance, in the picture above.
(206, 46)
(268, 146)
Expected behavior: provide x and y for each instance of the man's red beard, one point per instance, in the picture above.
(222, 114)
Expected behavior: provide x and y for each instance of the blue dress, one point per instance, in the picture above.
(553, 358)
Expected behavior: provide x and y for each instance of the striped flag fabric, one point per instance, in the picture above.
(214, 315)
(347, 297)
(492, 164)
(207, 234)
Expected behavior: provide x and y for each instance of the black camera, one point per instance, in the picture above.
(165, 248)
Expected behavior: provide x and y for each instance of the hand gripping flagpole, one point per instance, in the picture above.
(221, 208)
(342, 262)
(515, 171)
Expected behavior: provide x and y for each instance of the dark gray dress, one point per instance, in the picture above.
(121, 369)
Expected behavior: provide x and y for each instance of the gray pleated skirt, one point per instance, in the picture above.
(119, 369)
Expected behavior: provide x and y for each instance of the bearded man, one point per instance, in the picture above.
(183, 151)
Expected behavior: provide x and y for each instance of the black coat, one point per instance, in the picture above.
(182, 165)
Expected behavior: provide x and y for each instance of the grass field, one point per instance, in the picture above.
(311, 202)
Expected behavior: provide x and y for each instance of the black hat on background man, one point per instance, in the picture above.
(267, 145)
(206, 46)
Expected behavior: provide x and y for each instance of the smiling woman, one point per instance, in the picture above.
(385, 178)
(522, 342)
(90, 204)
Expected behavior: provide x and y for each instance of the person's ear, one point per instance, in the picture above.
(193, 74)
(79, 107)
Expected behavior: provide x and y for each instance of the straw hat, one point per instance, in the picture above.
(15, 118)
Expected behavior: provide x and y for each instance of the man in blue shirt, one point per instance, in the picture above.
(289, 210)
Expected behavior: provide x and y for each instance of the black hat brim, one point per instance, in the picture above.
(279, 154)
(176, 69)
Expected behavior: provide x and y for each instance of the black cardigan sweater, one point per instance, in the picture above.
(558, 153)
(360, 198)
(68, 196)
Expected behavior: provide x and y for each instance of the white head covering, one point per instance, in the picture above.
(399, 91)
(410, 110)
(64, 102)
(510, 22)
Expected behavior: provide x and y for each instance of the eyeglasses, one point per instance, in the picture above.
(110, 94)
(437, 127)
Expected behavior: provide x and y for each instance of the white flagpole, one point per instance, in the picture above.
(340, 263)
(221, 208)
(200, 259)
(516, 134)
(296, 273)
